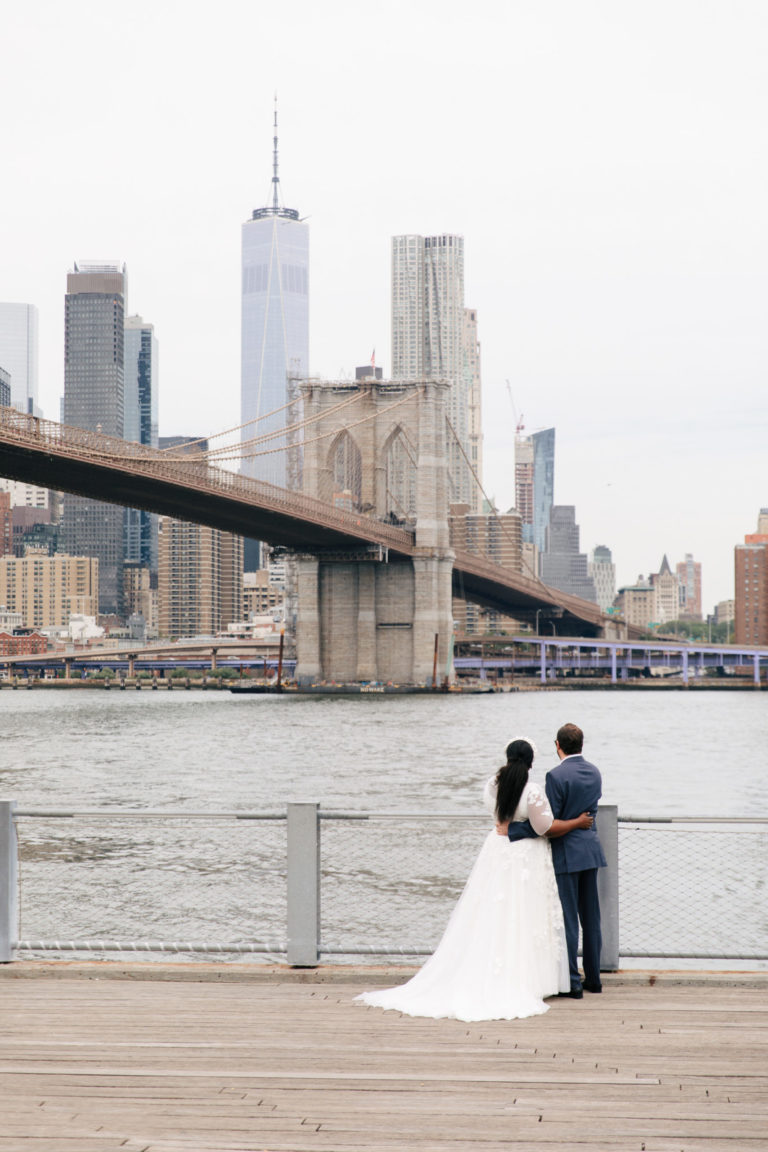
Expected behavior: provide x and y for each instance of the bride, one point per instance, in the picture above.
(504, 949)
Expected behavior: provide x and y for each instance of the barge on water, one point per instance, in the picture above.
(261, 689)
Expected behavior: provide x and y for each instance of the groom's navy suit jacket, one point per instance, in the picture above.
(573, 787)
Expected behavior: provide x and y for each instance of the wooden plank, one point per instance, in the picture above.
(184, 1067)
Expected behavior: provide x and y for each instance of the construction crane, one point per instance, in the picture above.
(519, 421)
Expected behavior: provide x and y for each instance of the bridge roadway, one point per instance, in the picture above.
(219, 1058)
(120, 472)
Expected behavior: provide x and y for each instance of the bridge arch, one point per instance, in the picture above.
(399, 470)
(344, 472)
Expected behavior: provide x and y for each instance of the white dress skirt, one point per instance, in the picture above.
(503, 950)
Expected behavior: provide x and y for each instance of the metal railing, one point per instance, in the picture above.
(346, 884)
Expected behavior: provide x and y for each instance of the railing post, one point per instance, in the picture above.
(608, 886)
(303, 885)
(9, 881)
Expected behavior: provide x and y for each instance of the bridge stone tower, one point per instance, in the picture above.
(377, 447)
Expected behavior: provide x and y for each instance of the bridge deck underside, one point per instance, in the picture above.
(476, 580)
(223, 510)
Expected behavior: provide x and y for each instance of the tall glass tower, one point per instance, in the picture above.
(94, 398)
(275, 329)
(543, 484)
(18, 354)
(141, 425)
(435, 336)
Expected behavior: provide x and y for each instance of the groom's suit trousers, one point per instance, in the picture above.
(578, 896)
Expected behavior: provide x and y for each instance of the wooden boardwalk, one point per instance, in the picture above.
(177, 1065)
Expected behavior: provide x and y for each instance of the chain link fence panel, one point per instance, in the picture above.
(140, 879)
(388, 883)
(693, 891)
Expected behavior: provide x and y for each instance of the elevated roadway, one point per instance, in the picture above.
(104, 468)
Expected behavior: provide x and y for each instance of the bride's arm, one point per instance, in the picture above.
(537, 824)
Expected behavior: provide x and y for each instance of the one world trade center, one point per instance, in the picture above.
(274, 336)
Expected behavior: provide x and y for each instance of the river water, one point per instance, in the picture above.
(662, 753)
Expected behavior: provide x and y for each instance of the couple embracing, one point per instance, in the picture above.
(512, 938)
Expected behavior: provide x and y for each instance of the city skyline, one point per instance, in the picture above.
(604, 176)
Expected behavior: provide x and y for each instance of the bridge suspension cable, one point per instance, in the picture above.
(226, 451)
(229, 431)
(238, 454)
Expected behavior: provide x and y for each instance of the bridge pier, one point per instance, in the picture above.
(363, 620)
(372, 614)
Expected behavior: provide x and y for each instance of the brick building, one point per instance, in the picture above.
(22, 644)
(750, 624)
(6, 525)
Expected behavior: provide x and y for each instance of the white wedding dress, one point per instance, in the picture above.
(504, 948)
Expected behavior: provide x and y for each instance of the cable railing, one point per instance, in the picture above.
(314, 883)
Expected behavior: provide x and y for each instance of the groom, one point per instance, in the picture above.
(573, 787)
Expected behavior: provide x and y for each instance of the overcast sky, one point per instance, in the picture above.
(605, 161)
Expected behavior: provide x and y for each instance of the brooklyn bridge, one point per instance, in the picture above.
(366, 517)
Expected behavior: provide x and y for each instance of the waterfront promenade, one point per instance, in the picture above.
(218, 1058)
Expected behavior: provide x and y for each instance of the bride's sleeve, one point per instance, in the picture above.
(489, 795)
(539, 811)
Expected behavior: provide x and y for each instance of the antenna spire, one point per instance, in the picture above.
(273, 208)
(275, 177)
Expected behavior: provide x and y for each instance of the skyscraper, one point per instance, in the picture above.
(275, 327)
(689, 578)
(18, 354)
(603, 572)
(562, 565)
(435, 337)
(751, 586)
(94, 398)
(535, 484)
(667, 592)
(141, 406)
(543, 484)
(200, 581)
(471, 353)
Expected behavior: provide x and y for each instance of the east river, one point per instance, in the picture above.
(662, 753)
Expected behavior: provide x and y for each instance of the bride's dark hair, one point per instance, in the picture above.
(512, 777)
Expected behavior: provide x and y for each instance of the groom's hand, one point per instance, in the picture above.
(503, 828)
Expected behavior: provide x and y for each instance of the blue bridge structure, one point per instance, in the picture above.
(620, 661)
